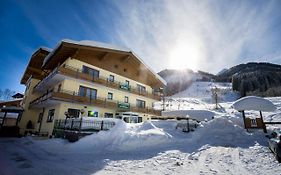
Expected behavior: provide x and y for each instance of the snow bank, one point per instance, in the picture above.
(124, 136)
(199, 115)
(253, 103)
(224, 132)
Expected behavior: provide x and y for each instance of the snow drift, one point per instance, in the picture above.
(124, 136)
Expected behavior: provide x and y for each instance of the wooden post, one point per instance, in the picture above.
(243, 115)
(18, 118)
(263, 125)
(41, 120)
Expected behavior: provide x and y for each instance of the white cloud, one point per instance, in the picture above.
(224, 32)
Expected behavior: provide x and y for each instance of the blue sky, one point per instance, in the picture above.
(204, 35)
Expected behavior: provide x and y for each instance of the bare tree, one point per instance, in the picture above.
(7, 94)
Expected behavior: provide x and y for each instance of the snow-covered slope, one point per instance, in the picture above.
(203, 91)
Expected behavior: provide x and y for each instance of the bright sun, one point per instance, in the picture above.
(184, 56)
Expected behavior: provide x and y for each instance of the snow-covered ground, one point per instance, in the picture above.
(218, 146)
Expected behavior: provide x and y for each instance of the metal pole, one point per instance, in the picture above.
(3, 119)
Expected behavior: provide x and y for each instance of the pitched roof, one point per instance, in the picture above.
(94, 44)
(35, 63)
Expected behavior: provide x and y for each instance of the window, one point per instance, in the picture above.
(93, 72)
(141, 89)
(140, 103)
(87, 92)
(51, 115)
(111, 78)
(108, 115)
(93, 114)
(73, 113)
(110, 96)
(126, 99)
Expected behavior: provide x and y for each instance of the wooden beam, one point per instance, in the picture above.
(33, 69)
(76, 53)
(104, 56)
(125, 58)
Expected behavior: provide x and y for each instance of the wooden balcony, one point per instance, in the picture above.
(78, 74)
(73, 97)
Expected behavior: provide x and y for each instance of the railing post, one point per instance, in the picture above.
(101, 127)
(59, 124)
(80, 125)
(71, 124)
(65, 123)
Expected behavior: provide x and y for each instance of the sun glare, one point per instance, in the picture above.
(184, 56)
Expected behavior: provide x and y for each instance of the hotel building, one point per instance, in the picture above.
(86, 79)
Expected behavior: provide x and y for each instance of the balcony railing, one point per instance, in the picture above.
(78, 74)
(73, 97)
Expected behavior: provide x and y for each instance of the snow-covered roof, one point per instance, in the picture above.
(253, 103)
(101, 45)
(12, 100)
(199, 115)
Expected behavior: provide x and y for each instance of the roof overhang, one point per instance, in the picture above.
(34, 66)
(69, 48)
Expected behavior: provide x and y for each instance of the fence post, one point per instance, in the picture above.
(71, 124)
(59, 124)
(65, 123)
(101, 127)
(80, 125)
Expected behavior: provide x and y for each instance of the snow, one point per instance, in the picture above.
(12, 100)
(202, 90)
(218, 146)
(199, 115)
(253, 103)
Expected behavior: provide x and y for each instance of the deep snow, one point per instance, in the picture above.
(218, 146)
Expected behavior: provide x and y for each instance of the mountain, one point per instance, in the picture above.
(262, 79)
(226, 74)
(179, 80)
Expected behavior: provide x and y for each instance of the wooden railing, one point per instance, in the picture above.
(73, 97)
(78, 74)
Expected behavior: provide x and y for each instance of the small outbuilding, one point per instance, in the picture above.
(256, 104)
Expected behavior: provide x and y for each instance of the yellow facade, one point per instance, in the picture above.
(72, 85)
(42, 109)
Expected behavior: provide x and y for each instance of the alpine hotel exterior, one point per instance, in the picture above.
(86, 79)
